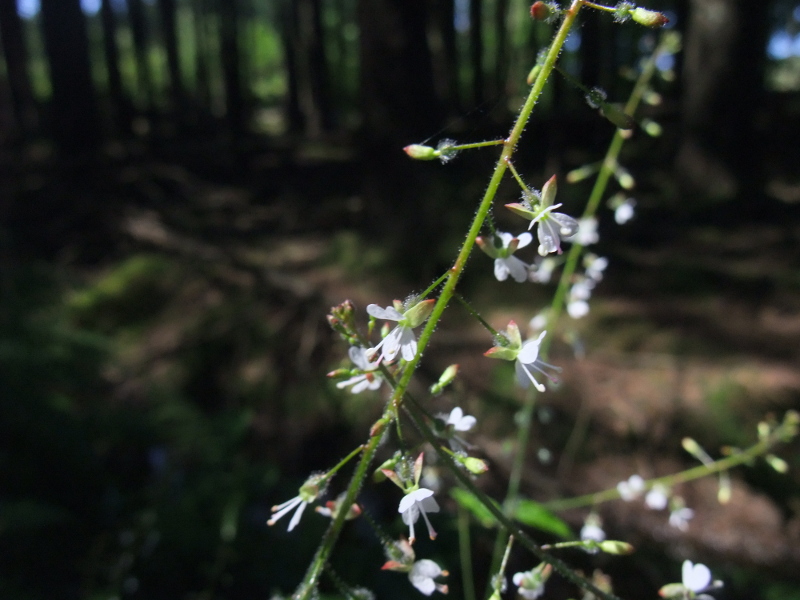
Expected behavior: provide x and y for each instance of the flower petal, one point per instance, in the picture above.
(388, 313)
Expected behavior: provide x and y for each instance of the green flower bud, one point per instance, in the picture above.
(476, 466)
(648, 18)
(446, 379)
(617, 116)
(419, 152)
(615, 547)
(780, 465)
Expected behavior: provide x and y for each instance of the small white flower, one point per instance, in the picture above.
(400, 339)
(308, 492)
(539, 322)
(696, 577)
(531, 583)
(624, 212)
(631, 489)
(368, 379)
(505, 263)
(542, 271)
(460, 421)
(657, 498)
(578, 308)
(680, 517)
(422, 577)
(527, 359)
(587, 232)
(595, 265)
(592, 531)
(419, 502)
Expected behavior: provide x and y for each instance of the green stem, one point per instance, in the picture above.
(719, 466)
(306, 588)
(477, 145)
(465, 554)
(557, 305)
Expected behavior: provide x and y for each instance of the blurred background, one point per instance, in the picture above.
(187, 186)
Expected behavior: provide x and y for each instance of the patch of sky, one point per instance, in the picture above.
(461, 16)
(783, 45)
(90, 7)
(28, 9)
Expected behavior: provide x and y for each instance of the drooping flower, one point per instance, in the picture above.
(587, 232)
(526, 356)
(460, 421)
(553, 226)
(308, 493)
(400, 339)
(595, 265)
(449, 425)
(531, 583)
(679, 516)
(696, 577)
(501, 248)
(332, 508)
(422, 577)
(631, 489)
(624, 211)
(368, 378)
(416, 503)
(542, 270)
(592, 529)
(657, 498)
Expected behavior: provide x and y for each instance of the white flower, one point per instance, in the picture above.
(368, 379)
(400, 339)
(592, 531)
(624, 212)
(527, 359)
(587, 232)
(412, 505)
(657, 498)
(309, 491)
(539, 208)
(422, 577)
(631, 489)
(595, 265)
(542, 271)
(680, 517)
(578, 308)
(539, 322)
(531, 583)
(505, 263)
(695, 577)
(579, 293)
(460, 421)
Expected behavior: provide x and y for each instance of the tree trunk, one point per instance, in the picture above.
(169, 30)
(314, 42)
(289, 28)
(722, 94)
(501, 41)
(17, 66)
(139, 32)
(447, 74)
(73, 107)
(476, 49)
(121, 108)
(231, 71)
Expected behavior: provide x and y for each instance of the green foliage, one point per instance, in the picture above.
(535, 515)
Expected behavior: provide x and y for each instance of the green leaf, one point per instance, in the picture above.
(534, 514)
(470, 502)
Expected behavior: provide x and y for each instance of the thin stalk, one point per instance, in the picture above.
(465, 554)
(307, 586)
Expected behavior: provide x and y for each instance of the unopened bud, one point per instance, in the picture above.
(672, 590)
(446, 379)
(582, 173)
(419, 152)
(476, 466)
(615, 547)
(339, 373)
(648, 18)
(533, 74)
(780, 465)
(652, 128)
(540, 11)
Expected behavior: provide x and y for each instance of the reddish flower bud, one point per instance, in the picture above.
(649, 18)
(540, 11)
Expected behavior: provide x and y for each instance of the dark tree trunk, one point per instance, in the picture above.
(73, 105)
(314, 42)
(231, 70)
(169, 30)
(202, 71)
(476, 49)
(501, 39)
(289, 28)
(448, 54)
(723, 84)
(121, 108)
(139, 32)
(17, 66)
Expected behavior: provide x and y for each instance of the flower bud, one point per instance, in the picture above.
(540, 11)
(616, 547)
(476, 466)
(648, 18)
(419, 152)
(534, 73)
(446, 379)
(780, 465)
(672, 590)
